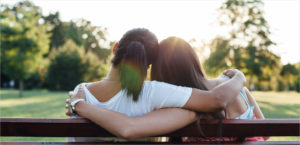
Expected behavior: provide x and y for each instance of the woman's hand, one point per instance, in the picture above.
(231, 72)
(73, 97)
(235, 72)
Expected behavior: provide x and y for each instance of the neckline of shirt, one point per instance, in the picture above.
(91, 96)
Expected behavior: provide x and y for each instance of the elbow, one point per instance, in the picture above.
(127, 133)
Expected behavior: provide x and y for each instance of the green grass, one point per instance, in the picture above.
(35, 103)
(279, 104)
(46, 104)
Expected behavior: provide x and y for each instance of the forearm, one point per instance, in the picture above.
(154, 123)
(114, 122)
(217, 98)
(257, 112)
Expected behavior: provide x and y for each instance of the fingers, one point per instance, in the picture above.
(225, 71)
(71, 93)
(67, 106)
(68, 113)
(230, 73)
(73, 96)
(67, 101)
(235, 72)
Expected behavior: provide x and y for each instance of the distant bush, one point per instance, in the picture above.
(95, 68)
(281, 86)
(33, 82)
(297, 84)
(71, 65)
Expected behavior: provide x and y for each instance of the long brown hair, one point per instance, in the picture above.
(177, 63)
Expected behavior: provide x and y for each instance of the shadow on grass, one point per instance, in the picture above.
(279, 110)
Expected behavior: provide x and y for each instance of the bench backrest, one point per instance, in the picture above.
(84, 128)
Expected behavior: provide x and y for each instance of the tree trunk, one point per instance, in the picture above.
(20, 88)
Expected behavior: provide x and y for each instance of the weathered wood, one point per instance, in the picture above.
(151, 143)
(84, 128)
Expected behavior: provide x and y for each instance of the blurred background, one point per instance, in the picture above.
(48, 47)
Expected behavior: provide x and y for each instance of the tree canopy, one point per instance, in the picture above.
(24, 40)
(246, 43)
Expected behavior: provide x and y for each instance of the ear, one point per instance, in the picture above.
(115, 47)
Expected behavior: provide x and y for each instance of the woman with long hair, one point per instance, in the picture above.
(178, 64)
(125, 92)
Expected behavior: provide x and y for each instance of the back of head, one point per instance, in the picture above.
(178, 64)
(133, 55)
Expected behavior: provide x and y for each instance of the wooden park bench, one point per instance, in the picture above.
(33, 127)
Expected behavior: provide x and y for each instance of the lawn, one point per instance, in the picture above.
(279, 104)
(46, 104)
(35, 103)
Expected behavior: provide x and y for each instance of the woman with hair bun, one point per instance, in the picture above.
(123, 102)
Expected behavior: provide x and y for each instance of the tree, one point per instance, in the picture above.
(92, 38)
(212, 65)
(58, 36)
(289, 73)
(246, 44)
(70, 65)
(66, 68)
(24, 41)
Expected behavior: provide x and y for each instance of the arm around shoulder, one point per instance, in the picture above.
(159, 122)
(217, 98)
(154, 123)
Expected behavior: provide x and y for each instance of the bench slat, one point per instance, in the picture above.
(80, 127)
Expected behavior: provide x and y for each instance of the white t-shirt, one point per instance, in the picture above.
(154, 95)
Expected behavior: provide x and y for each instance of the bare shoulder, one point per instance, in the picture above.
(91, 86)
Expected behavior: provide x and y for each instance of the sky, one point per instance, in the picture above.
(187, 19)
